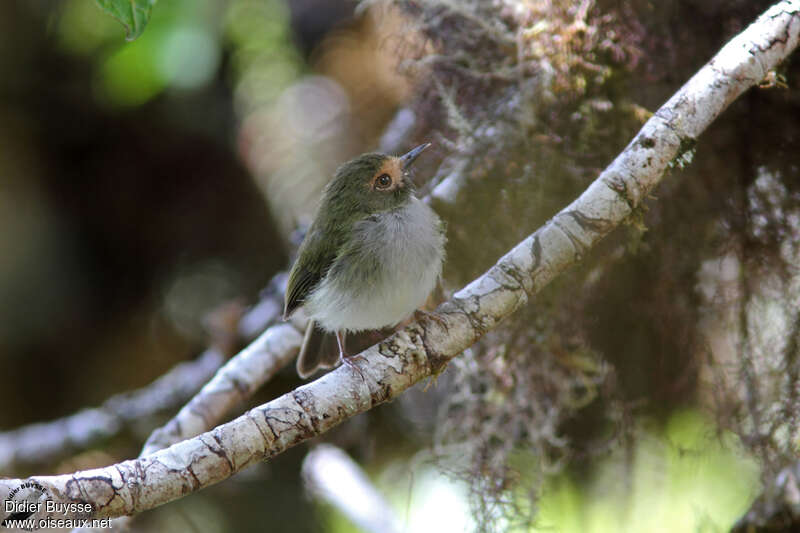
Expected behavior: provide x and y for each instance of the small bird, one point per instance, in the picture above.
(371, 257)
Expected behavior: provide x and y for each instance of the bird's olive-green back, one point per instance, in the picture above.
(347, 199)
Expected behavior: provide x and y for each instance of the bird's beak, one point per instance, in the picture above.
(409, 158)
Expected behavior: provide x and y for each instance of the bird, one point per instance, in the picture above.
(371, 257)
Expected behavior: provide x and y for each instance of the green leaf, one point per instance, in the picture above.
(133, 14)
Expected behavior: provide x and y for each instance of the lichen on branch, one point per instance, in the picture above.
(421, 349)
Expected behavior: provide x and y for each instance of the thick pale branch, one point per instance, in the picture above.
(241, 375)
(423, 349)
(231, 385)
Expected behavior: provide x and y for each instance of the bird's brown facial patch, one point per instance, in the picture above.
(389, 177)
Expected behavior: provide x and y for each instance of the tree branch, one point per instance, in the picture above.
(424, 348)
(47, 441)
(247, 371)
(236, 381)
(333, 477)
(231, 385)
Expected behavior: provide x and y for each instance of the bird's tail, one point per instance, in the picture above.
(319, 350)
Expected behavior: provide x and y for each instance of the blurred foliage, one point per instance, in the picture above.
(264, 61)
(301, 120)
(524, 97)
(181, 49)
(531, 101)
(126, 213)
(679, 476)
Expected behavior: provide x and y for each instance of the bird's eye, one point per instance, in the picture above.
(384, 181)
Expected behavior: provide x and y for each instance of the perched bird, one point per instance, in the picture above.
(370, 258)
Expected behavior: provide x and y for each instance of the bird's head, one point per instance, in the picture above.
(374, 182)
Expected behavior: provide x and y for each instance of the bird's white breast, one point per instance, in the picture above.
(392, 264)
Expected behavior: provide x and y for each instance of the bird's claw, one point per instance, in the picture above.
(420, 315)
(349, 360)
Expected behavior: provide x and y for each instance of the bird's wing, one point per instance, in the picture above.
(313, 261)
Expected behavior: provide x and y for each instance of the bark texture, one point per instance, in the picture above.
(424, 348)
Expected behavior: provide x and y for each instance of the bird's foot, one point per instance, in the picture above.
(433, 380)
(350, 360)
(420, 315)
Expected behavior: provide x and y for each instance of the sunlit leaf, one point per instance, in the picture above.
(133, 14)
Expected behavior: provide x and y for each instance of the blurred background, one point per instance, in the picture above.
(145, 184)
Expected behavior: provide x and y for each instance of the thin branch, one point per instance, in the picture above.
(333, 477)
(47, 441)
(241, 376)
(424, 348)
(230, 386)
